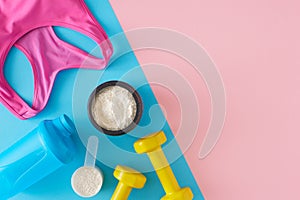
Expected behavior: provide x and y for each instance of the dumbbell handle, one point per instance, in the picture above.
(122, 192)
(163, 171)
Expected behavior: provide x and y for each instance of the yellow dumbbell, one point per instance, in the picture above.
(152, 146)
(128, 179)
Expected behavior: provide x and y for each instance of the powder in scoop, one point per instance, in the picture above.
(87, 181)
(114, 108)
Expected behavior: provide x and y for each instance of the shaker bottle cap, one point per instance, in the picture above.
(59, 140)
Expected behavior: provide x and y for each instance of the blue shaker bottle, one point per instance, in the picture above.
(39, 153)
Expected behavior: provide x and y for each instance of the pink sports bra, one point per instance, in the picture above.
(27, 25)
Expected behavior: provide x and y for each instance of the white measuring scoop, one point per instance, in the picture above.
(87, 180)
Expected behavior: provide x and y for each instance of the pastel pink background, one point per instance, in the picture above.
(256, 47)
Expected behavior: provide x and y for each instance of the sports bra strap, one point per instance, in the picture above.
(48, 56)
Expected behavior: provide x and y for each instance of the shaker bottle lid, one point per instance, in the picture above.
(65, 123)
(59, 138)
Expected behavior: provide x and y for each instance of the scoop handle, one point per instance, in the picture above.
(91, 151)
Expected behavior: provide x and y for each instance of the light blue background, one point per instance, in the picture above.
(57, 185)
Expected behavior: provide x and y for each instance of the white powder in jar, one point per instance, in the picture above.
(114, 108)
